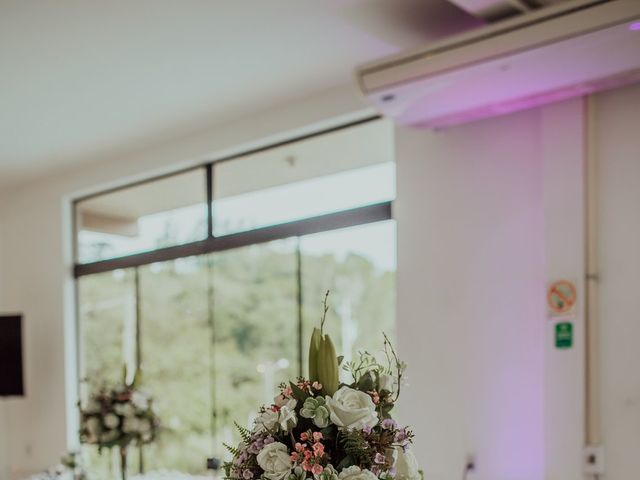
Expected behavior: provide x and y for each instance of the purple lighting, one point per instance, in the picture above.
(634, 27)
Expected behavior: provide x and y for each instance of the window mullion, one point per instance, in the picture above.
(209, 180)
(299, 301)
(138, 343)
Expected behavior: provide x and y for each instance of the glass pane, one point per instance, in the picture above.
(161, 213)
(176, 352)
(358, 266)
(107, 323)
(255, 331)
(107, 306)
(337, 171)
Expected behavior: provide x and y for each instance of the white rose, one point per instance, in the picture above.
(140, 400)
(352, 409)
(124, 409)
(93, 407)
(144, 425)
(131, 425)
(355, 473)
(406, 465)
(275, 460)
(93, 425)
(111, 421)
(93, 429)
(266, 422)
(109, 436)
(387, 383)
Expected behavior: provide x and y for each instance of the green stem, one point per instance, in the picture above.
(123, 462)
(324, 313)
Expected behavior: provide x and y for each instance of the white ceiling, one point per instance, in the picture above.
(79, 78)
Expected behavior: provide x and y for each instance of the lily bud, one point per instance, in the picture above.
(328, 366)
(314, 350)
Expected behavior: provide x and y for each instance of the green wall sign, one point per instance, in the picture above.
(564, 335)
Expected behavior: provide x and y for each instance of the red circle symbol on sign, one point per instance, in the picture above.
(561, 296)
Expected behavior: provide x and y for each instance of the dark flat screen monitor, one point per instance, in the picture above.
(11, 375)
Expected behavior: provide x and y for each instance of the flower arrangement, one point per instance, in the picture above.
(71, 467)
(119, 416)
(321, 429)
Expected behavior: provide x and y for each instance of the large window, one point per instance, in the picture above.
(210, 281)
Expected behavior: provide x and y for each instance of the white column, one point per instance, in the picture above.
(562, 157)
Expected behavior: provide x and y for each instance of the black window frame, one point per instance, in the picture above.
(368, 214)
(322, 223)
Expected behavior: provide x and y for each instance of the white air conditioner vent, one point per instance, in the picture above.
(558, 52)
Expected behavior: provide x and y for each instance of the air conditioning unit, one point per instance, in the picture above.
(571, 49)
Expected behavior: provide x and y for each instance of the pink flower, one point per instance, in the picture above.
(318, 449)
(294, 457)
(317, 385)
(299, 447)
(306, 466)
(317, 469)
(317, 436)
(304, 436)
(280, 401)
(303, 385)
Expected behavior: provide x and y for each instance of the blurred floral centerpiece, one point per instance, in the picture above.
(322, 429)
(119, 416)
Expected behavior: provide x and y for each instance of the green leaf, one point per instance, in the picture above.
(137, 379)
(345, 463)
(245, 433)
(329, 432)
(299, 394)
(366, 383)
(232, 450)
(385, 411)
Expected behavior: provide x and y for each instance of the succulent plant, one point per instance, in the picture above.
(315, 409)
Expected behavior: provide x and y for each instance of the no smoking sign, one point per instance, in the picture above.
(561, 298)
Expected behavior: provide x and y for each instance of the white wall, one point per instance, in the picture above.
(562, 159)
(470, 279)
(617, 146)
(488, 214)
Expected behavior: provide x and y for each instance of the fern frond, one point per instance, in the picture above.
(245, 433)
(235, 451)
(356, 446)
